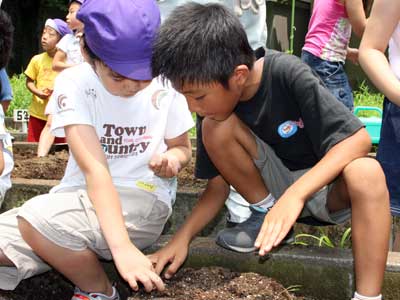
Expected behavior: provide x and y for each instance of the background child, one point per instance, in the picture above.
(326, 43)
(40, 76)
(6, 94)
(128, 139)
(6, 154)
(68, 50)
(6, 35)
(68, 54)
(383, 29)
(268, 129)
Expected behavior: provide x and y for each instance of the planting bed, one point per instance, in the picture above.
(211, 283)
(52, 167)
(205, 283)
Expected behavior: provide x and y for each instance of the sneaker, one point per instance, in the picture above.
(80, 295)
(242, 237)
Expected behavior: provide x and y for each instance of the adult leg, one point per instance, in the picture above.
(362, 186)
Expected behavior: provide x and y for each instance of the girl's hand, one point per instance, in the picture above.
(135, 267)
(164, 165)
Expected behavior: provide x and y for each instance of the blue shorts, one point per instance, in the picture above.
(389, 152)
(334, 77)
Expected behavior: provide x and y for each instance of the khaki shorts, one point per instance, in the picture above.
(277, 177)
(69, 220)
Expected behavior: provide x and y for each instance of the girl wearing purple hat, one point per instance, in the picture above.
(40, 76)
(128, 138)
(68, 50)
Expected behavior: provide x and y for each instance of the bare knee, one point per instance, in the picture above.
(28, 233)
(214, 132)
(218, 136)
(365, 177)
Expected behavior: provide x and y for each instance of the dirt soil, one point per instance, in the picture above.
(211, 283)
(215, 283)
(27, 165)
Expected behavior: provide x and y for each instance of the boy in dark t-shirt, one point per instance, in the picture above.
(272, 130)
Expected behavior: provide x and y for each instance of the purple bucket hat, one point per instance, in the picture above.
(78, 1)
(121, 34)
(62, 27)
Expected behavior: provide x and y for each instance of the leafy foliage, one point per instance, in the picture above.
(364, 97)
(22, 97)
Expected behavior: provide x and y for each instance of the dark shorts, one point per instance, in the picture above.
(334, 77)
(389, 152)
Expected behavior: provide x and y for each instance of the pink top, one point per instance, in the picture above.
(329, 31)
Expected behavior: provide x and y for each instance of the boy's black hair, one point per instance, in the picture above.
(6, 38)
(73, 1)
(200, 44)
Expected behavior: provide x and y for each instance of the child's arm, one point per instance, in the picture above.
(131, 263)
(59, 61)
(352, 55)
(42, 94)
(356, 14)
(385, 16)
(209, 204)
(2, 163)
(285, 212)
(178, 155)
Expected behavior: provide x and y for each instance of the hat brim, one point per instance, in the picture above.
(134, 71)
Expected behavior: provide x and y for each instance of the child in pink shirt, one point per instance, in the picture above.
(326, 44)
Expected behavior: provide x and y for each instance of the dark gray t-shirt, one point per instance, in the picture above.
(293, 112)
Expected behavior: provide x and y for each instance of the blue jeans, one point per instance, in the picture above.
(389, 152)
(333, 76)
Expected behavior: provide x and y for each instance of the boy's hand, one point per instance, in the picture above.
(164, 165)
(277, 223)
(174, 253)
(135, 267)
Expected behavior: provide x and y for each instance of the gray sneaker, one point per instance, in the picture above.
(242, 237)
(80, 295)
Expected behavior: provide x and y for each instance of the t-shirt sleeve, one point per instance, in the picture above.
(179, 117)
(68, 105)
(204, 168)
(32, 68)
(326, 120)
(5, 86)
(63, 43)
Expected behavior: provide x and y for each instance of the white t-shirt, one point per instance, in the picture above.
(69, 44)
(131, 130)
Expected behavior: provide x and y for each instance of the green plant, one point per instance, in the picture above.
(290, 290)
(323, 240)
(364, 97)
(192, 131)
(21, 95)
